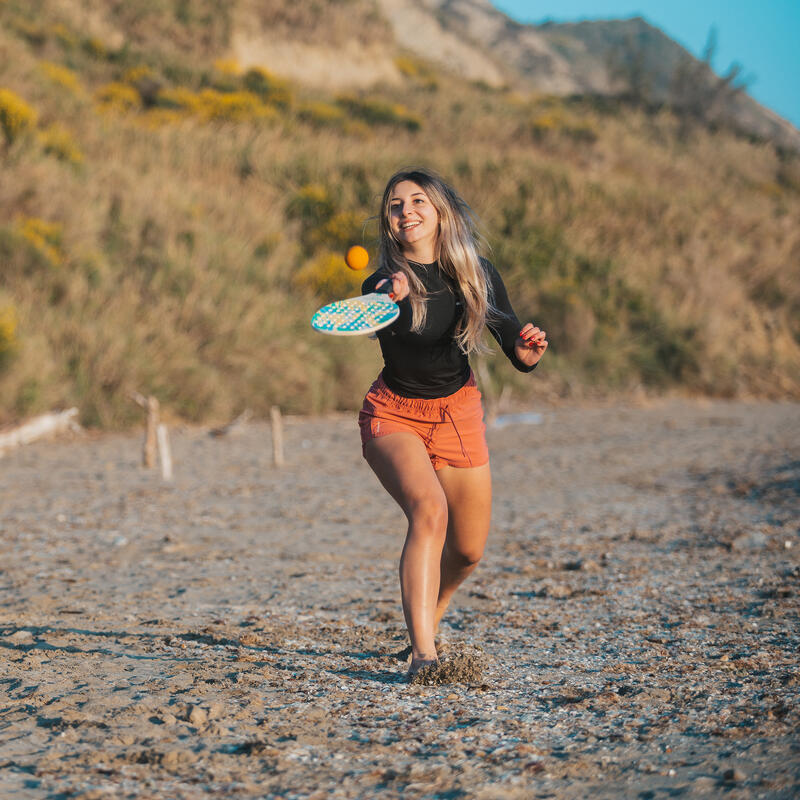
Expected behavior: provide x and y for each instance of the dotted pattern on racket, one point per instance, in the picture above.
(355, 316)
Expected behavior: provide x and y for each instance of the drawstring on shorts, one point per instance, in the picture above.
(461, 443)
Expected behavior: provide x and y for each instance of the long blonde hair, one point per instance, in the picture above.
(457, 253)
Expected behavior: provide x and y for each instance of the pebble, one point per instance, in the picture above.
(750, 541)
(733, 775)
(704, 785)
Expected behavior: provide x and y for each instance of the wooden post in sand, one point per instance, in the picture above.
(164, 452)
(151, 444)
(277, 436)
(151, 432)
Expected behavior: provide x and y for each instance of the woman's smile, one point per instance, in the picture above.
(414, 221)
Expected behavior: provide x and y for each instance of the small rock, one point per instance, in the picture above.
(175, 758)
(216, 710)
(198, 717)
(21, 637)
(733, 775)
(558, 591)
(750, 541)
(703, 785)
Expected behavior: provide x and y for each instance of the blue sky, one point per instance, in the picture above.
(763, 36)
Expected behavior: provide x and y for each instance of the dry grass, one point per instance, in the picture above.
(187, 265)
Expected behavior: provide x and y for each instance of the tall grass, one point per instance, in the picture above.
(152, 245)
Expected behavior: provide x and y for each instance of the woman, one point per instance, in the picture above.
(422, 422)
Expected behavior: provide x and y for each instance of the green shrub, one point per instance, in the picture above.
(418, 71)
(379, 112)
(322, 114)
(311, 205)
(269, 88)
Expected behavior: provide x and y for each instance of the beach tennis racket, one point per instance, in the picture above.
(358, 315)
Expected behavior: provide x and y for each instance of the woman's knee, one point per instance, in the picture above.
(463, 557)
(428, 514)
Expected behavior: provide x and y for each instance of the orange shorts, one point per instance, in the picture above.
(451, 428)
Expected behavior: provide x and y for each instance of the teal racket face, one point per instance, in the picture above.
(356, 315)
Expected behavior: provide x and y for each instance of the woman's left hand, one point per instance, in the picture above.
(531, 344)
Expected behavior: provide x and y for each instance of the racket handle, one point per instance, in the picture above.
(386, 288)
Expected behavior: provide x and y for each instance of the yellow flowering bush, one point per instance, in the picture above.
(16, 116)
(328, 276)
(543, 124)
(321, 114)
(556, 122)
(340, 230)
(378, 112)
(95, 48)
(179, 98)
(231, 106)
(312, 205)
(57, 141)
(45, 237)
(61, 76)
(8, 333)
(155, 118)
(416, 70)
(118, 97)
(135, 74)
(227, 66)
(64, 36)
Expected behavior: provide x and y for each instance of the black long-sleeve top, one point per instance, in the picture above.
(429, 363)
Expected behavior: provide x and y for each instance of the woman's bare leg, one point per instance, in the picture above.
(469, 507)
(403, 467)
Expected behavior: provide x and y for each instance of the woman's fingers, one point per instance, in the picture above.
(533, 336)
(399, 285)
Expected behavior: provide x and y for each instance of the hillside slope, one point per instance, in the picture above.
(565, 58)
(171, 215)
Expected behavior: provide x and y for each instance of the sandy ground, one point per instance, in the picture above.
(234, 633)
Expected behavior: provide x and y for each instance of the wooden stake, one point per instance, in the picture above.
(277, 436)
(164, 452)
(151, 434)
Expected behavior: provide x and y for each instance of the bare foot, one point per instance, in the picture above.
(419, 663)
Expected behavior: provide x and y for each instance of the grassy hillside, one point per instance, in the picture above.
(169, 221)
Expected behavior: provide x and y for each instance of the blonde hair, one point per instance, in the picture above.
(457, 253)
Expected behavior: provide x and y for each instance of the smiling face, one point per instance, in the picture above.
(414, 221)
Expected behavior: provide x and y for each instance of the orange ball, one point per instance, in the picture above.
(357, 257)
